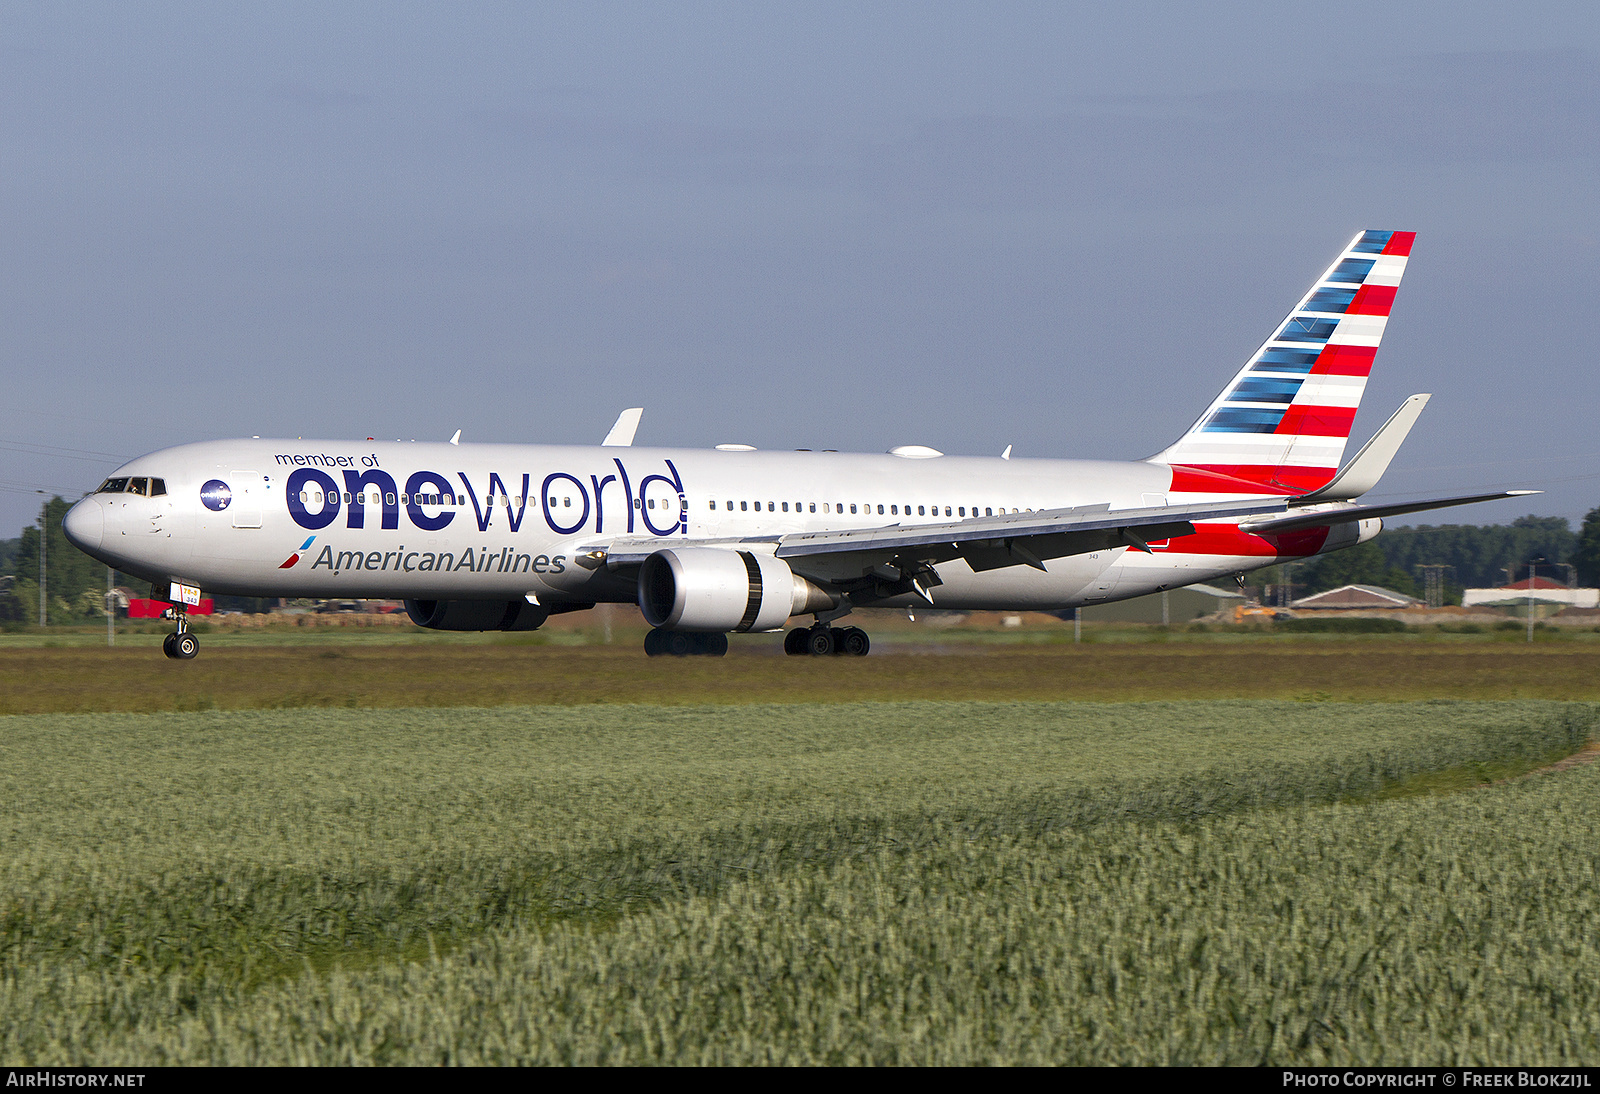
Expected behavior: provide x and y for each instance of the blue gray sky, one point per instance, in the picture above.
(822, 225)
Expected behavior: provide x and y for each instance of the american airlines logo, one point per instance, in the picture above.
(568, 504)
(507, 560)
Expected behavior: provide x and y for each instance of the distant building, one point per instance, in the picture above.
(1541, 590)
(1183, 606)
(1356, 598)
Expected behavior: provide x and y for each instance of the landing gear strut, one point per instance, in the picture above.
(665, 643)
(182, 645)
(823, 640)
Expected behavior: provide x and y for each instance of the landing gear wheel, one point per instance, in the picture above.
(794, 643)
(854, 642)
(820, 641)
(184, 646)
(655, 643)
(167, 645)
(713, 645)
(682, 644)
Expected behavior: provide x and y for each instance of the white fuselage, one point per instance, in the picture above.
(335, 519)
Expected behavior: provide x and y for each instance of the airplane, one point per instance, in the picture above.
(482, 537)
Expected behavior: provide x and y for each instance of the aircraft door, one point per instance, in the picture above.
(1105, 584)
(248, 489)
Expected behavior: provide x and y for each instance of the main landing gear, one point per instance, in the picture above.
(665, 643)
(823, 640)
(183, 645)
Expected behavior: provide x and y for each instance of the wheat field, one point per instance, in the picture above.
(925, 882)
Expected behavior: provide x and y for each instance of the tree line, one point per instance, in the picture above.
(1479, 556)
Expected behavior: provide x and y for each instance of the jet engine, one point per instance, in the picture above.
(476, 615)
(712, 589)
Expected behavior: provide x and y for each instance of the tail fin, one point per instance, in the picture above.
(1283, 421)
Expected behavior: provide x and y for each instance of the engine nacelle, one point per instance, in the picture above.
(476, 615)
(713, 589)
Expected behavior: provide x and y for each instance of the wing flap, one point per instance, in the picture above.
(1028, 526)
(1013, 539)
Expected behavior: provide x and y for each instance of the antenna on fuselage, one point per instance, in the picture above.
(621, 435)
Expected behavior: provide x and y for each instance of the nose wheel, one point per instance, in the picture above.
(181, 645)
(824, 641)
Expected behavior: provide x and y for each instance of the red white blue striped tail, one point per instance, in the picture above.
(1281, 425)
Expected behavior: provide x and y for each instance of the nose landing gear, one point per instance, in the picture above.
(182, 645)
(823, 641)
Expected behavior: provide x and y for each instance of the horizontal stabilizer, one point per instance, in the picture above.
(1362, 473)
(1344, 513)
(621, 435)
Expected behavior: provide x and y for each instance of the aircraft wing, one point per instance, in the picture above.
(1339, 514)
(986, 543)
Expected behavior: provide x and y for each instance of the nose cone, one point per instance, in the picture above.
(85, 524)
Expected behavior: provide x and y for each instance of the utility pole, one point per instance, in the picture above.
(1433, 582)
(1533, 568)
(44, 536)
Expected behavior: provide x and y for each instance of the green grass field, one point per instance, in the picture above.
(911, 882)
(336, 672)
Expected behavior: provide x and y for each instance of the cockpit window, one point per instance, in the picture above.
(152, 488)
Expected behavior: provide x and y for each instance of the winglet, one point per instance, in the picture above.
(1363, 472)
(1006, 455)
(621, 435)
(457, 438)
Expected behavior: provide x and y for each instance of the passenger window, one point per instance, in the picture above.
(880, 510)
(785, 507)
(567, 502)
(988, 512)
(651, 504)
(895, 509)
(772, 507)
(852, 507)
(963, 510)
(920, 513)
(814, 507)
(744, 507)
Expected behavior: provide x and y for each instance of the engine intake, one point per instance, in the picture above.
(712, 589)
(476, 615)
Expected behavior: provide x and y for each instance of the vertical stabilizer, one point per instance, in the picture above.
(1283, 421)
